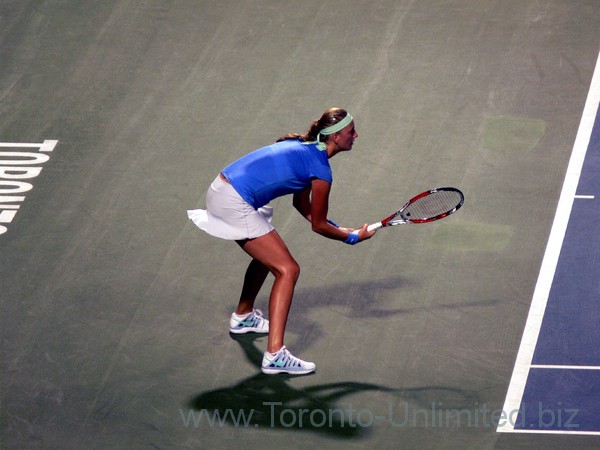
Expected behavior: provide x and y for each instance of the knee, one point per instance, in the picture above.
(295, 272)
(290, 270)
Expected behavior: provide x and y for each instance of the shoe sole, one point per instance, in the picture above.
(246, 330)
(289, 372)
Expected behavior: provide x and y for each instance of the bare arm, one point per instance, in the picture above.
(318, 199)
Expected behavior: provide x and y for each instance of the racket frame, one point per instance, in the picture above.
(398, 218)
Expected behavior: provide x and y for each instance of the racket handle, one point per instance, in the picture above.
(374, 226)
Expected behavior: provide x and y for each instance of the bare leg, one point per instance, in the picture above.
(255, 277)
(271, 252)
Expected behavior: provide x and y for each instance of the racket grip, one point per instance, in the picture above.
(374, 226)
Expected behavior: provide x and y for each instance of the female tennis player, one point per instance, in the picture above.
(236, 209)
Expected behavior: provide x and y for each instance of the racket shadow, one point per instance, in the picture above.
(362, 300)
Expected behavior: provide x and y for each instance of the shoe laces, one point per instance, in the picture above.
(258, 314)
(288, 359)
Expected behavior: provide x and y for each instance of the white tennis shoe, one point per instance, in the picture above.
(284, 362)
(253, 322)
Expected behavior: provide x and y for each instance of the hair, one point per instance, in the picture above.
(329, 117)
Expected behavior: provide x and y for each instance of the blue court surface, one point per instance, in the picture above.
(561, 393)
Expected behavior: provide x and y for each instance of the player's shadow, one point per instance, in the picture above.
(269, 401)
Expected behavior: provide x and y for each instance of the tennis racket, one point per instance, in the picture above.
(426, 207)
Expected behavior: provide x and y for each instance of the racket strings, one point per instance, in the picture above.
(435, 204)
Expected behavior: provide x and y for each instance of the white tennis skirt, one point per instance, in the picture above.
(229, 216)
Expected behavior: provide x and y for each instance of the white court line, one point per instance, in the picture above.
(555, 366)
(579, 433)
(586, 197)
(531, 333)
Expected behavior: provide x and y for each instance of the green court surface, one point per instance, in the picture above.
(114, 308)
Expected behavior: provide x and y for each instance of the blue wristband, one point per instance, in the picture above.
(331, 222)
(352, 238)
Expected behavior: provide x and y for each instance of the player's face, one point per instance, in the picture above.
(345, 137)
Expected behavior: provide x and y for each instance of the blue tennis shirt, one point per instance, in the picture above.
(278, 169)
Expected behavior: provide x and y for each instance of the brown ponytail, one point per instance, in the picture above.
(329, 117)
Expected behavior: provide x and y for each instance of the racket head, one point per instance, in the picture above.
(428, 206)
